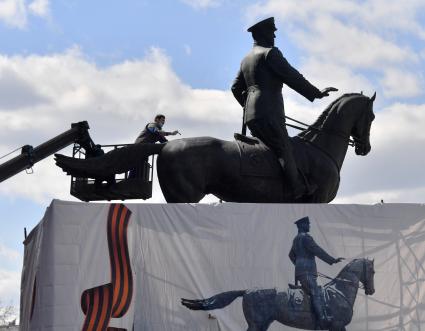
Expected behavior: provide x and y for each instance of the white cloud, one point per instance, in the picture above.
(117, 101)
(387, 196)
(400, 123)
(372, 15)
(13, 13)
(323, 74)
(201, 4)
(8, 253)
(374, 37)
(384, 15)
(331, 39)
(341, 31)
(12, 87)
(9, 287)
(40, 8)
(398, 83)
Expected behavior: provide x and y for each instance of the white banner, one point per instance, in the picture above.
(94, 266)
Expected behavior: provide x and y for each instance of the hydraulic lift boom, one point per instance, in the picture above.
(30, 155)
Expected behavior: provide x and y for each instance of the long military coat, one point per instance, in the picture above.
(303, 252)
(258, 85)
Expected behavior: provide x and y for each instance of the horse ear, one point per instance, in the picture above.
(373, 97)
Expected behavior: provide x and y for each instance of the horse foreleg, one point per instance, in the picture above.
(255, 327)
(252, 328)
(181, 192)
(258, 325)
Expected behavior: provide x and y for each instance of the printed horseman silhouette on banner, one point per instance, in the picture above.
(303, 252)
(308, 307)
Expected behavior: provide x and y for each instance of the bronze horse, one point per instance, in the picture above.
(262, 307)
(190, 168)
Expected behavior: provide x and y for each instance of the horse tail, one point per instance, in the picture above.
(217, 301)
(114, 162)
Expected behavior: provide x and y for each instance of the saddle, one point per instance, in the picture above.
(257, 160)
(299, 301)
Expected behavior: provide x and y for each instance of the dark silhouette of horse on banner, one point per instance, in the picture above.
(262, 307)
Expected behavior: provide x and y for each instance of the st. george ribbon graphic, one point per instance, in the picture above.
(111, 300)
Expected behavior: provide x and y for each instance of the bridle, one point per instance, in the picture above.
(352, 283)
(351, 142)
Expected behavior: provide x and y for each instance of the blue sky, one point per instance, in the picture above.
(117, 63)
(117, 31)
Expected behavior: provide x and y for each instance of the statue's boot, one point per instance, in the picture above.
(299, 185)
(322, 321)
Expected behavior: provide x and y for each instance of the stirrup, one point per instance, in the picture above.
(294, 286)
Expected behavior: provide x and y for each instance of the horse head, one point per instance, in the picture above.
(364, 270)
(368, 275)
(361, 129)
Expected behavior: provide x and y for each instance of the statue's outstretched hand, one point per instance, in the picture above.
(175, 132)
(325, 91)
(340, 259)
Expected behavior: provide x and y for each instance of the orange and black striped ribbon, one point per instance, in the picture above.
(121, 275)
(101, 303)
(96, 304)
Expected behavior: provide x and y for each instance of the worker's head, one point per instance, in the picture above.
(303, 224)
(160, 120)
(263, 32)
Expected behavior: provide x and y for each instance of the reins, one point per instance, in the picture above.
(359, 285)
(351, 142)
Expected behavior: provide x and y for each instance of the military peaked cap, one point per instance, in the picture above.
(304, 220)
(267, 24)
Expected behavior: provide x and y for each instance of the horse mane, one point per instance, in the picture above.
(350, 264)
(344, 269)
(325, 114)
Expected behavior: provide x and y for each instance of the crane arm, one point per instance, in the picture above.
(31, 155)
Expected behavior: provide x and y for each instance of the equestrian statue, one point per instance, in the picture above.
(269, 167)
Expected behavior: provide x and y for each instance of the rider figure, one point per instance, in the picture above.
(303, 252)
(258, 88)
(153, 132)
